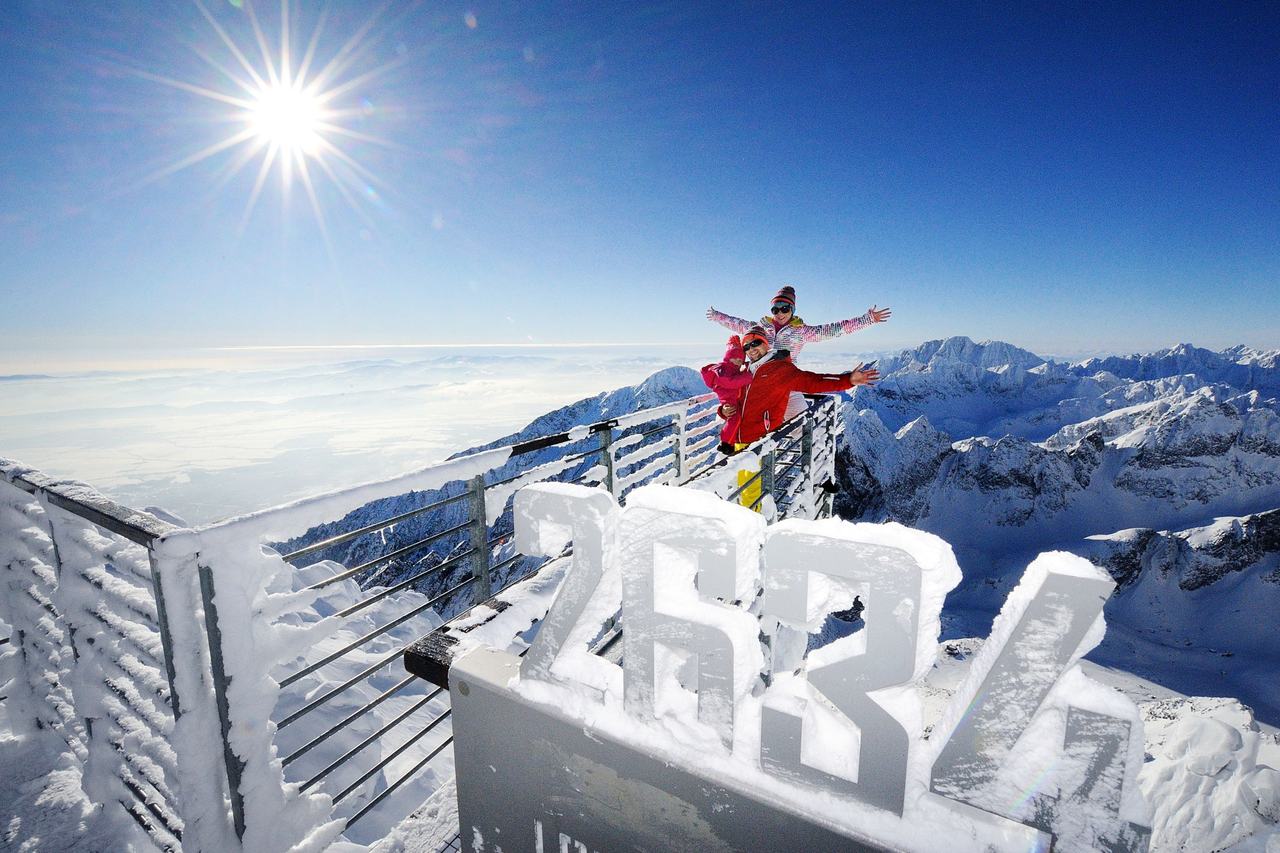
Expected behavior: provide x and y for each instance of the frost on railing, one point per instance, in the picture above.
(39, 699)
(91, 669)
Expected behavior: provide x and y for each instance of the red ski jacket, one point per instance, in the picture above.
(765, 401)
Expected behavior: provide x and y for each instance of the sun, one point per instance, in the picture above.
(288, 117)
(286, 109)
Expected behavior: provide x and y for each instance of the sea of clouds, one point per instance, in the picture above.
(210, 434)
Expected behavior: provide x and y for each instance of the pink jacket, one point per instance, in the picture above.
(729, 381)
(792, 335)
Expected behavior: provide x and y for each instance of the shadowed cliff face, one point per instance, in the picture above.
(1197, 557)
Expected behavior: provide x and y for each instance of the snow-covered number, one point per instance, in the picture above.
(676, 561)
(890, 582)
(998, 752)
(547, 517)
(1096, 753)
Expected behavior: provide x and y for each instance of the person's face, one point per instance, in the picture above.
(755, 349)
(781, 311)
(736, 362)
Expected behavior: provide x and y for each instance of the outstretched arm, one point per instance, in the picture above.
(827, 331)
(735, 324)
(808, 382)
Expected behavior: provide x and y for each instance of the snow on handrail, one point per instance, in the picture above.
(83, 500)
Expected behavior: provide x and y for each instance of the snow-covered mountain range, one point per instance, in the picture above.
(1163, 468)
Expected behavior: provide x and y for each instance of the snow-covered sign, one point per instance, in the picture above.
(719, 731)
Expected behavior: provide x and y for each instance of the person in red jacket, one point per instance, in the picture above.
(775, 377)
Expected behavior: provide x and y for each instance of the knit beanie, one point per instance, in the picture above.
(753, 333)
(788, 295)
(734, 349)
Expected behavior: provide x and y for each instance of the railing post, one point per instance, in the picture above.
(766, 478)
(606, 458)
(36, 673)
(679, 448)
(234, 766)
(166, 635)
(478, 534)
(833, 420)
(86, 679)
(806, 460)
(197, 731)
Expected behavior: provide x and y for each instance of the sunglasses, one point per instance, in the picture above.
(782, 309)
(754, 342)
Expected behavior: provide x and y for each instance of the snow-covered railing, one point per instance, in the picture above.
(95, 673)
(797, 466)
(235, 686)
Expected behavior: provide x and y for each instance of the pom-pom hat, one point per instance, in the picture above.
(788, 295)
(734, 349)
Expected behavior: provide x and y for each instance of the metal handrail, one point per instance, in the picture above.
(355, 679)
(346, 756)
(393, 756)
(404, 584)
(399, 552)
(141, 528)
(374, 634)
(371, 528)
(359, 712)
(394, 786)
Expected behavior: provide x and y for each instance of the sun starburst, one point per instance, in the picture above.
(286, 114)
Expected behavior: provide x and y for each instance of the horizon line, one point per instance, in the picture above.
(450, 346)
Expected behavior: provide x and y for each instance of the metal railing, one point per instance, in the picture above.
(94, 669)
(129, 630)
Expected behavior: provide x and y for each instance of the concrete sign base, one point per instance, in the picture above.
(530, 779)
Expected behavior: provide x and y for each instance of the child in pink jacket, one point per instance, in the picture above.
(729, 379)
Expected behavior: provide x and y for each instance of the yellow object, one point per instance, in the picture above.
(750, 497)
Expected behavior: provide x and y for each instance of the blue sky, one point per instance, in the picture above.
(1068, 177)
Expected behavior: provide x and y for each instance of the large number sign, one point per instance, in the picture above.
(721, 730)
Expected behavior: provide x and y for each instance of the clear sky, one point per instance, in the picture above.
(1068, 177)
